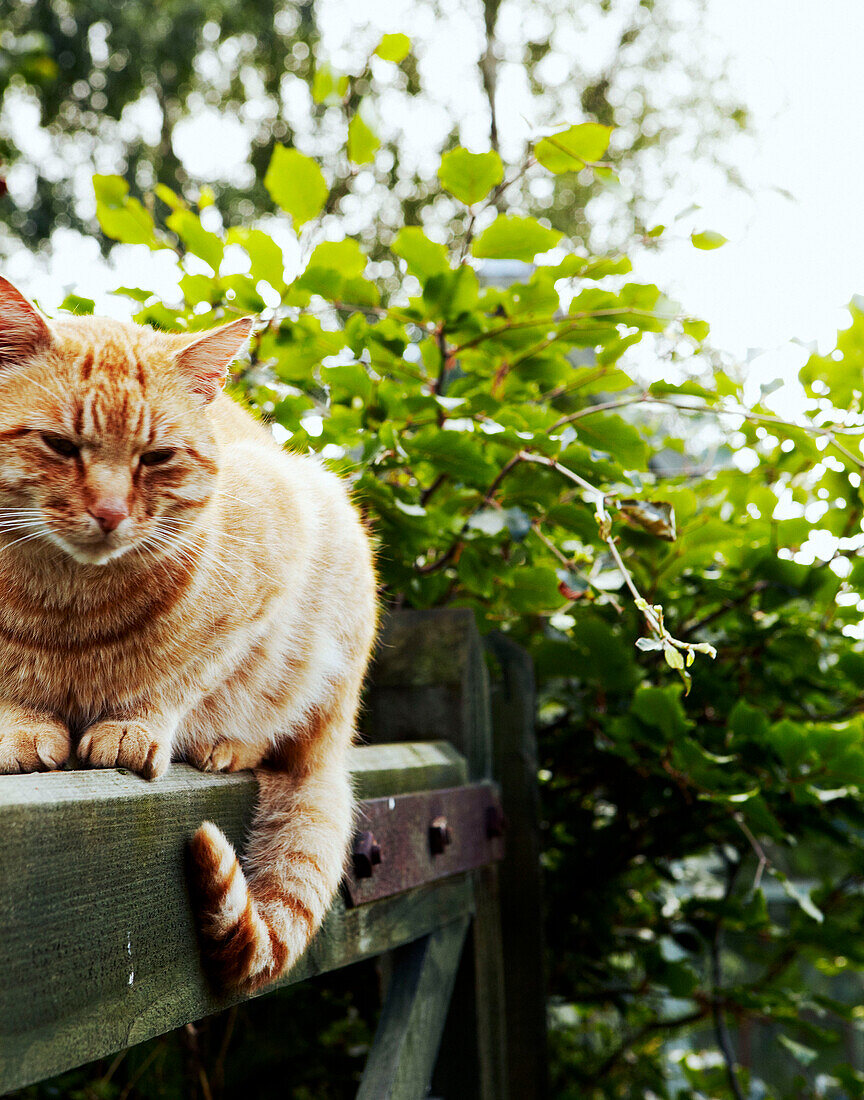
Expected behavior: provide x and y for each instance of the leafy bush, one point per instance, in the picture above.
(620, 514)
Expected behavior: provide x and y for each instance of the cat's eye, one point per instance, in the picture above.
(156, 458)
(61, 446)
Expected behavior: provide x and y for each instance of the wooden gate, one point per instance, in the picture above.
(98, 948)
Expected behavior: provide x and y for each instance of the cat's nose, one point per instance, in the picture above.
(109, 513)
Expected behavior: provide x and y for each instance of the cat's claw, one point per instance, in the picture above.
(125, 743)
(34, 746)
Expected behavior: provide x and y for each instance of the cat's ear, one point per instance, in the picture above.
(205, 363)
(23, 331)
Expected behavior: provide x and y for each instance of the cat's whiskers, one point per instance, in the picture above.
(11, 524)
(168, 552)
(26, 538)
(244, 562)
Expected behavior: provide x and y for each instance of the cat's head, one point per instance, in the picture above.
(106, 444)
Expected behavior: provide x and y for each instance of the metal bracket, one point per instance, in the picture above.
(411, 839)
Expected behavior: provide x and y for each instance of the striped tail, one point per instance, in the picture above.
(256, 926)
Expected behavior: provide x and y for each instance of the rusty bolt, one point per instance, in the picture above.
(439, 835)
(495, 821)
(365, 855)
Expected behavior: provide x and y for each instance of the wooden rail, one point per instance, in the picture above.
(98, 948)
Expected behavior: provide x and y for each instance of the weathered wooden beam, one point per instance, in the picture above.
(400, 1063)
(98, 948)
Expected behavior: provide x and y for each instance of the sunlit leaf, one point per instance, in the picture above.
(296, 183)
(122, 217)
(363, 142)
(393, 47)
(569, 150)
(422, 256)
(470, 176)
(514, 238)
(707, 240)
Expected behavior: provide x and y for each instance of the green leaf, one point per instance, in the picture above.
(707, 240)
(335, 271)
(169, 197)
(748, 722)
(345, 256)
(842, 370)
(662, 709)
(569, 150)
(802, 1054)
(122, 218)
(513, 238)
(459, 454)
(73, 303)
(393, 47)
(423, 257)
(296, 183)
(136, 293)
(470, 176)
(851, 664)
(198, 240)
(684, 389)
(696, 329)
(802, 899)
(534, 588)
(453, 293)
(615, 436)
(363, 142)
(264, 254)
(328, 85)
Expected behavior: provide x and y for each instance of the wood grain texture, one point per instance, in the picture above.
(97, 940)
(406, 1044)
(429, 680)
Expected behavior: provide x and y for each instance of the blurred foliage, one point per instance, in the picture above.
(703, 851)
(106, 86)
(307, 1042)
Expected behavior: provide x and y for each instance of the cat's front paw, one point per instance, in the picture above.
(32, 742)
(125, 743)
(226, 755)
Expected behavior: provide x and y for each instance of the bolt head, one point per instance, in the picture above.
(365, 854)
(439, 835)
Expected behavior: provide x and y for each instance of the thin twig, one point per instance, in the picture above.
(566, 323)
(758, 850)
(712, 410)
(615, 1057)
(455, 546)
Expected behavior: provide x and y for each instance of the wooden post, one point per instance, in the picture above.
(515, 770)
(418, 996)
(430, 681)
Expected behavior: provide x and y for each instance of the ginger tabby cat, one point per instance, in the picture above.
(176, 587)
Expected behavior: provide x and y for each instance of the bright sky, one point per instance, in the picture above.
(792, 261)
(791, 264)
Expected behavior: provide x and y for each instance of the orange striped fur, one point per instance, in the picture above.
(176, 587)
